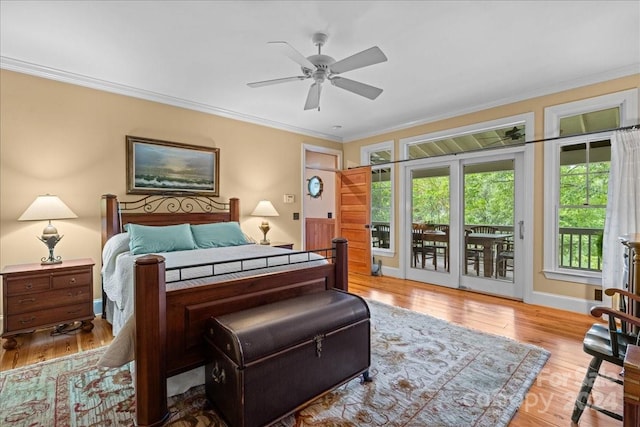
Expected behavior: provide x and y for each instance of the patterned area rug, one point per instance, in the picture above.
(426, 372)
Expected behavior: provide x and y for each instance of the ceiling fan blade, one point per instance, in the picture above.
(276, 81)
(313, 98)
(358, 88)
(365, 58)
(293, 54)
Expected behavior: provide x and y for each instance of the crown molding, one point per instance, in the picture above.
(559, 87)
(12, 64)
(19, 66)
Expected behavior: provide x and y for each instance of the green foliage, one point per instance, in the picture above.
(381, 201)
(489, 198)
(431, 200)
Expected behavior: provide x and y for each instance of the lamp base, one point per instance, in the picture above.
(51, 241)
(264, 227)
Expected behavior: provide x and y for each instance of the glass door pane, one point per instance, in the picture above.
(430, 219)
(489, 207)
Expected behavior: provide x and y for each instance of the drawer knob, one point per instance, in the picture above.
(29, 285)
(24, 321)
(72, 280)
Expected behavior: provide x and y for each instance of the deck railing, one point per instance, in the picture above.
(578, 248)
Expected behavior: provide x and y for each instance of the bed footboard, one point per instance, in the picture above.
(170, 325)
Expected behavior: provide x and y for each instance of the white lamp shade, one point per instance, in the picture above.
(47, 207)
(265, 208)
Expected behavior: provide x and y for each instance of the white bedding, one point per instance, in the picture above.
(118, 269)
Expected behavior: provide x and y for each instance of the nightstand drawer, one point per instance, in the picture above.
(27, 284)
(71, 278)
(28, 321)
(43, 300)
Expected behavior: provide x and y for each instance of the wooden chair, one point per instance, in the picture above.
(418, 247)
(384, 233)
(443, 247)
(504, 258)
(472, 254)
(478, 248)
(380, 235)
(605, 342)
(484, 229)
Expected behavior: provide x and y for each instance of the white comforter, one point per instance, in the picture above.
(118, 269)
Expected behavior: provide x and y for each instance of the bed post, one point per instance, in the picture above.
(151, 341)
(340, 252)
(109, 216)
(234, 209)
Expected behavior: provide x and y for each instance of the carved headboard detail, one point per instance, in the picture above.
(164, 210)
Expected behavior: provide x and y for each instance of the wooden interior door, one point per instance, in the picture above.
(353, 206)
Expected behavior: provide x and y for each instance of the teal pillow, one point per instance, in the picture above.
(218, 234)
(145, 239)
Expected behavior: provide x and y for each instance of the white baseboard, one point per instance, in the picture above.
(562, 302)
(538, 298)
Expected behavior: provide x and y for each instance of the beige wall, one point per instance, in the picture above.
(535, 105)
(69, 140)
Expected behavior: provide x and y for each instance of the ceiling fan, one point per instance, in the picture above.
(510, 135)
(323, 67)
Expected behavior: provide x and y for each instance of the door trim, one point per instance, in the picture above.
(303, 184)
(527, 216)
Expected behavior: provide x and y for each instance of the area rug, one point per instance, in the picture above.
(426, 372)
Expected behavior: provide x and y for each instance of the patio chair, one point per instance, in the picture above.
(483, 229)
(605, 342)
(472, 254)
(380, 235)
(504, 258)
(443, 246)
(418, 247)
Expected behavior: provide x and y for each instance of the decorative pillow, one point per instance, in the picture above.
(218, 234)
(147, 239)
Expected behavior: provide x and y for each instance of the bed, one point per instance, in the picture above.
(170, 318)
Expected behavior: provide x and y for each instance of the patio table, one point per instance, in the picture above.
(487, 241)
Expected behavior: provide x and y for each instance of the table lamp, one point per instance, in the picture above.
(47, 208)
(264, 208)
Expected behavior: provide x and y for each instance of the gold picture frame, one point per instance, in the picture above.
(164, 167)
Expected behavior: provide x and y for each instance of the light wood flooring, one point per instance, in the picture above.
(549, 401)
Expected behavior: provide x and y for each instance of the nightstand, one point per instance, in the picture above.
(39, 296)
(284, 245)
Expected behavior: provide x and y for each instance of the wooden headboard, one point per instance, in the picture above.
(164, 210)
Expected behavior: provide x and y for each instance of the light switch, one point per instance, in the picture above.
(289, 198)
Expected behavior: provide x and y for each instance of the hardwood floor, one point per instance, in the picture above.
(549, 401)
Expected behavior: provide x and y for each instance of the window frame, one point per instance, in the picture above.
(365, 158)
(526, 118)
(627, 102)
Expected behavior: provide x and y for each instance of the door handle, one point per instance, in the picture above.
(521, 229)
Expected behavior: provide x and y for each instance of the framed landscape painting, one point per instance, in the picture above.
(155, 167)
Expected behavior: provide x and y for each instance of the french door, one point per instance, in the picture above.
(464, 222)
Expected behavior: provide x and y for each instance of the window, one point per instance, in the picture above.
(380, 156)
(576, 182)
(498, 135)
